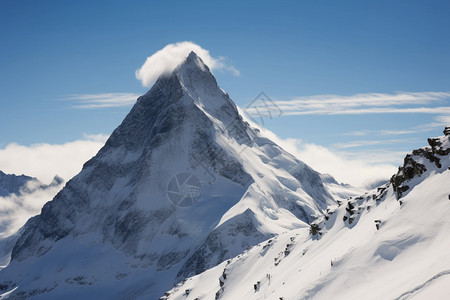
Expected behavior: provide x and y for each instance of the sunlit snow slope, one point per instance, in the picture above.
(381, 245)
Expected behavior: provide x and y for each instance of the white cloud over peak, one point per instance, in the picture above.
(168, 58)
(44, 161)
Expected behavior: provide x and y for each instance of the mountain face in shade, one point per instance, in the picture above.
(181, 185)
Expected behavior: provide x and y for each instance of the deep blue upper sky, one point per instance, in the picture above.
(288, 49)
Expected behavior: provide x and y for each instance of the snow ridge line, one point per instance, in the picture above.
(409, 293)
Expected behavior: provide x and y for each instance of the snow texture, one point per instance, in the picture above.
(380, 245)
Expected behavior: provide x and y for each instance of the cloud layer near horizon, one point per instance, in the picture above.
(360, 169)
(15, 210)
(168, 58)
(357, 169)
(44, 161)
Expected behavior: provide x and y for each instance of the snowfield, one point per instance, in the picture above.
(407, 258)
(390, 243)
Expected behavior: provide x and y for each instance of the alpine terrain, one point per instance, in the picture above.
(389, 243)
(182, 185)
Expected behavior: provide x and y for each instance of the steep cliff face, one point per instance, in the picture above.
(181, 185)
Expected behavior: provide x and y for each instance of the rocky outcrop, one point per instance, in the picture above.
(414, 164)
(447, 130)
(417, 166)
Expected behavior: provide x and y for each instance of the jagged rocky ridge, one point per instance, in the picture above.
(116, 214)
(416, 164)
(417, 167)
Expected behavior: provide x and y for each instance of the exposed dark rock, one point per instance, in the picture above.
(314, 229)
(377, 224)
(350, 208)
(447, 130)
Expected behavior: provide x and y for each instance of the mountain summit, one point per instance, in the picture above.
(181, 185)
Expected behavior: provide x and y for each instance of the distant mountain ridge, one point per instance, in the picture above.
(21, 197)
(15, 184)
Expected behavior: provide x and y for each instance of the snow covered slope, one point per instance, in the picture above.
(21, 197)
(181, 185)
(391, 243)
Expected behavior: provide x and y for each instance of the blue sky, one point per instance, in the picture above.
(291, 50)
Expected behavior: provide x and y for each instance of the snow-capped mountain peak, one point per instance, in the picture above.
(181, 185)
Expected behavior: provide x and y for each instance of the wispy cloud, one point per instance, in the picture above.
(105, 100)
(385, 132)
(364, 143)
(370, 103)
(397, 132)
(439, 122)
(442, 120)
(358, 133)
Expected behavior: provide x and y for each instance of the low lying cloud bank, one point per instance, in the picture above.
(16, 209)
(358, 169)
(44, 161)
